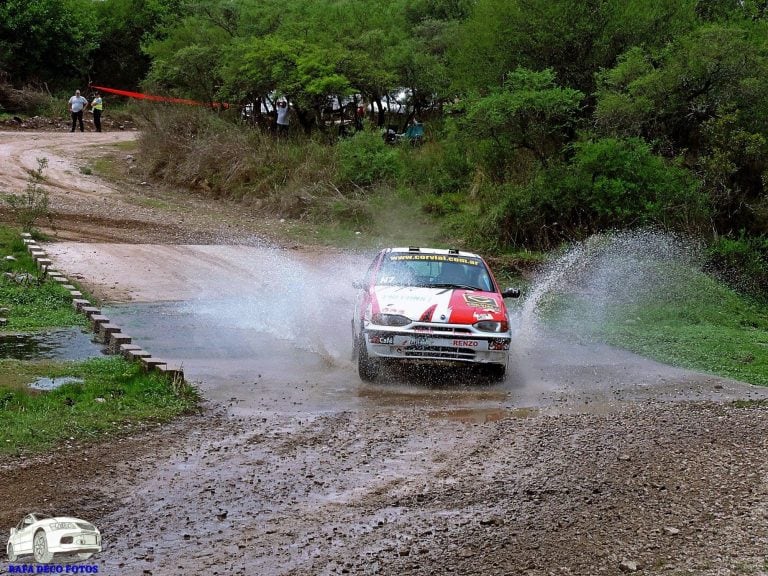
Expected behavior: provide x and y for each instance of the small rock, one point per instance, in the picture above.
(10, 258)
(100, 400)
(629, 566)
(671, 530)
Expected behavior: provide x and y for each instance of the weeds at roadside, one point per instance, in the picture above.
(31, 205)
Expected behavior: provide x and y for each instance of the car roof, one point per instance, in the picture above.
(423, 250)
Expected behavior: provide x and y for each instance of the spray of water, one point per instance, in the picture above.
(603, 278)
(290, 296)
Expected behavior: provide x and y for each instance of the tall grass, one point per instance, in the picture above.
(192, 147)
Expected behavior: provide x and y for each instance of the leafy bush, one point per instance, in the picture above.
(437, 167)
(607, 184)
(365, 159)
(742, 262)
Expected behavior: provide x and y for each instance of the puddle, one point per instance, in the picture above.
(483, 415)
(69, 344)
(53, 383)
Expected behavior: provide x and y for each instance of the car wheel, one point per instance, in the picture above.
(84, 555)
(11, 553)
(40, 548)
(355, 342)
(367, 368)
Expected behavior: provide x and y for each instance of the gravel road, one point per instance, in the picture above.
(586, 460)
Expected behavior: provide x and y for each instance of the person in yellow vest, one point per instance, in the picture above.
(96, 107)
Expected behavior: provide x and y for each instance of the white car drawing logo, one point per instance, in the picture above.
(42, 536)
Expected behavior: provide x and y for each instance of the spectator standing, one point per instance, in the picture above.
(282, 117)
(359, 116)
(76, 106)
(97, 105)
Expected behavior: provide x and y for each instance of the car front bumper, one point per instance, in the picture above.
(420, 346)
(76, 542)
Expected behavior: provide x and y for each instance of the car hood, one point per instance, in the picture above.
(440, 305)
(80, 523)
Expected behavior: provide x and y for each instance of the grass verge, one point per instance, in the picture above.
(114, 394)
(692, 321)
(704, 325)
(111, 394)
(33, 303)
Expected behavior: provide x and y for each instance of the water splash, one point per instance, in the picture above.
(603, 277)
(290, 297)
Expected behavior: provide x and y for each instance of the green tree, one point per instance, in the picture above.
(529, 113)
(124, 27)
(575, 39)
(47, 41)
(702, 97)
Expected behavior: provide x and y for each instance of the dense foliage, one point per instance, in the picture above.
(547, 119)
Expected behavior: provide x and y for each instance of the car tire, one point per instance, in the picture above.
(355, 342)
(40, 548)
(11, 553)
(367, 368)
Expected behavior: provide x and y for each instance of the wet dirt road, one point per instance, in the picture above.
(585, 460)
(263, 327)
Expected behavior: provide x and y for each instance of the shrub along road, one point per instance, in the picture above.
(586, 460)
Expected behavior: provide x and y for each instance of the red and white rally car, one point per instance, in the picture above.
(430, 305)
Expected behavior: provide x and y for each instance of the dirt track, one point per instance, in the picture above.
(585, 461)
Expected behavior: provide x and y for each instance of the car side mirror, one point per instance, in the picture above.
(511, 293)
(358, 284)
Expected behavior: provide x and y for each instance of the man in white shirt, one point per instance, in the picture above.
(282, 118)
(76, 106)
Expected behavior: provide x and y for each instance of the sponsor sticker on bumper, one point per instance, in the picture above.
(421, 341)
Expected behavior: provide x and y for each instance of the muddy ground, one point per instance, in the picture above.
(586, 460)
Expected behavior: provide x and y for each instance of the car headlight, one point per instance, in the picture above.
(63, 526)
(390, 320)
(492, 326)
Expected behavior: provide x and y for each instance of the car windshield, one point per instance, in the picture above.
(434, 270)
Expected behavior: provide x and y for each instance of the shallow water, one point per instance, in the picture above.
(65, 344)
(53, 383)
